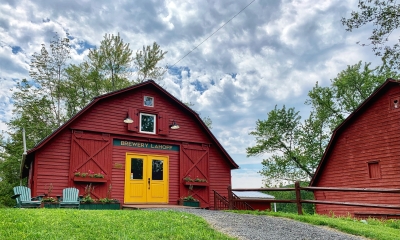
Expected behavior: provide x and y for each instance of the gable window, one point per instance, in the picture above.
(374, 170)
(148, 101)
(395, 102)
(147, 123)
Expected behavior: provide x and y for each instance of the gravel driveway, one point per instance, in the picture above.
(245, 226)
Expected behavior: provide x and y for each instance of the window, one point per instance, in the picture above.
(374, 170)
(147, 123)
(148, 101)
(136, 168)
(395, 102)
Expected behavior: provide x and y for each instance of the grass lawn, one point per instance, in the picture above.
(370, 228)
(141, 224)
(102, 224)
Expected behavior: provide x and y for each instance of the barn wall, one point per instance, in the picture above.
(220, 175)
(371, 137)
(86, 137)
(52, 166)
(259, 205)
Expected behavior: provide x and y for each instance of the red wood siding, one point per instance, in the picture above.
(220, 175)
(259, 205)
(51, 166)
(370, 137)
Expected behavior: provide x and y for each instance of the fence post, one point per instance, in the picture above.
(298, 198)
(215, 201)
(230, 197)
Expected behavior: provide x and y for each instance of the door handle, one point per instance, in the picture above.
(148, 181)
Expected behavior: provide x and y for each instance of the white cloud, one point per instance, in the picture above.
(271, 53)
(246, 178)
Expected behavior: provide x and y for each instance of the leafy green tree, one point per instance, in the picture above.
(146, 61)
(279, 135)
(383, 18)
(107, 69)
(79, 89)
(47, 69)
(113, 60)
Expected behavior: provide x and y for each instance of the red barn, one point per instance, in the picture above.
(364, 152)
(146, 144)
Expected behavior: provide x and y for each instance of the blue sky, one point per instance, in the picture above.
(272, 53)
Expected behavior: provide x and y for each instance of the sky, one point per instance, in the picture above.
(268, 53)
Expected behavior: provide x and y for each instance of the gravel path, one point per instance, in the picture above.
(246, 226)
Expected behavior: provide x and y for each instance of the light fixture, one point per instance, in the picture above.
(174, 125)
(128, 119)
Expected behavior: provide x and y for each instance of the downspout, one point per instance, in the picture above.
(23, 156)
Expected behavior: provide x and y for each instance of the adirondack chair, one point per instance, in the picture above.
(70, 198)
(24, 199)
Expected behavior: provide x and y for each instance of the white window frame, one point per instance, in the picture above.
(140, 123)
(144, 101)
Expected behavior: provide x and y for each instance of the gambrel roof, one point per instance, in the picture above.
(30, 154)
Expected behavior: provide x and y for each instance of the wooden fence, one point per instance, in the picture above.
(232, 201)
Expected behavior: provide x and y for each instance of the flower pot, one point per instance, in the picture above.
(50, 205)
(189, 203)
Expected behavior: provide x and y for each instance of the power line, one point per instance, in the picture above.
(213, 33)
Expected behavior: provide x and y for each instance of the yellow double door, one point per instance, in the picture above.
(146, 179)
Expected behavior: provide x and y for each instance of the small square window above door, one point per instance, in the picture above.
(148, 101)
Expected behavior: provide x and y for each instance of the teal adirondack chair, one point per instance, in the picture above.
(24, 199)
(70, 198)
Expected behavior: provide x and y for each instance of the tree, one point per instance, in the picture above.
(280, 135)
(296, 146)
(47, 69)
(8, 176)
(384, 16)
(113, 61)
(146, 61)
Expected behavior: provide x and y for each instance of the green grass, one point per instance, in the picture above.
(102, 224)
(370, 228)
